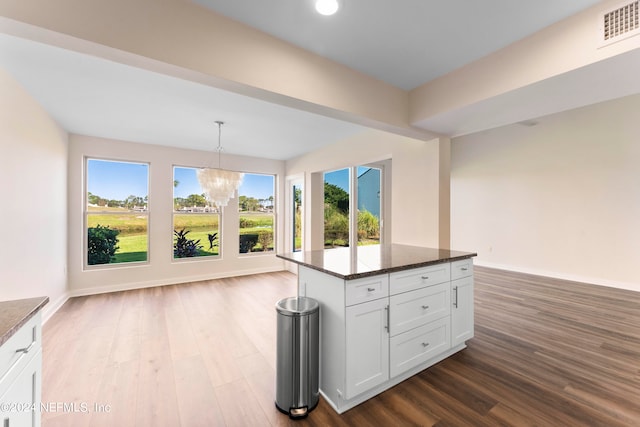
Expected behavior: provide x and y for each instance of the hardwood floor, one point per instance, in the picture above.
(546, 353)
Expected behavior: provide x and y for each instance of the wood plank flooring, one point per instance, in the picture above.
(546, 353)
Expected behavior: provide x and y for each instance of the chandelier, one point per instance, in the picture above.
(219, 185)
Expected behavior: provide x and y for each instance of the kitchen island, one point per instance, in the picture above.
(387, 312)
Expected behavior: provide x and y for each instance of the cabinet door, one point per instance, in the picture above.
(367, 346)
(25, 391)
(461, 310)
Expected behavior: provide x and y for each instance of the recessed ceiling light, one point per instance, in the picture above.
(327, 7)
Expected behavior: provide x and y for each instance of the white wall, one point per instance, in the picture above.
(416, 183)
(561, 198)
(33, 213)
(567, 46)
(161, 269)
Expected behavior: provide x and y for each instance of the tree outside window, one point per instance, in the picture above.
(117, 214)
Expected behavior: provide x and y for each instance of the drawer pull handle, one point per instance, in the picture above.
(424, 277)
(371, 289)
(463, 268)
(26, 349)
(425, 344)
(425, 307)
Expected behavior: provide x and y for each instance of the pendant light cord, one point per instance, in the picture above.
(220, 123)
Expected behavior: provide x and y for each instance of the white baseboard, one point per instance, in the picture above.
(174, 281)
(563, 276)
(53, 306)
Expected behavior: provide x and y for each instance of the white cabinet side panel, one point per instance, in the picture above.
(329, 292)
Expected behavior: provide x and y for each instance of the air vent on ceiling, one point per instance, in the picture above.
(620, 23)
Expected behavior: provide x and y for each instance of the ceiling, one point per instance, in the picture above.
(404, 43)
(88, 95)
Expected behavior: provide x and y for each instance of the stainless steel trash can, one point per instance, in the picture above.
(297, 368)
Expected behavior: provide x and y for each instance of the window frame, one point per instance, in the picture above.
(353, 200)
(351, 194)
(86, 214)
(294, 182)
(274, 213)
(219, 212)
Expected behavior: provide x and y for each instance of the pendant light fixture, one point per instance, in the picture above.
(219, 185)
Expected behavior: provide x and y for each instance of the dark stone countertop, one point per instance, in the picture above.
(14, 314)
(364, 261)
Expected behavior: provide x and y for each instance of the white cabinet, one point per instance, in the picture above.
(461, 310)
(420, 316)
(377, 331)
(367, 346)
(20, 376)
(23, 393)
(461, 301)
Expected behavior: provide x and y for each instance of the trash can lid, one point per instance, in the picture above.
(297, 306)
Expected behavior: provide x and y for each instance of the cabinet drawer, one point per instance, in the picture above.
(27, 337)
(417, 346)
(409, 280)
(367, 289)
(416, 308)
(462, 268)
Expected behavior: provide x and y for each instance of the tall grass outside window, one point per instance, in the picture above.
(362, 186)
(337, 197)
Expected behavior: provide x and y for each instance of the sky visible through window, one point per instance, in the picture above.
(341, 177)
(116, 180)
(258, 186)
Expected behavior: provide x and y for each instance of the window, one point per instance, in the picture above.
(196, 222)
(369, 205)
(296, 215)
(362, 186)
(336, 208)
(116, 215)
(256, 213)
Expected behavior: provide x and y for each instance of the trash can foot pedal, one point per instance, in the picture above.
(298, 412)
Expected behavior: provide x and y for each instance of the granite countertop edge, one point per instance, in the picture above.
(352, 276)
(14, 314)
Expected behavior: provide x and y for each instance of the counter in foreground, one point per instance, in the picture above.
(21, 361)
